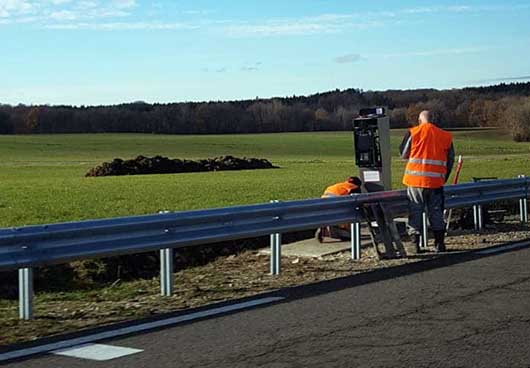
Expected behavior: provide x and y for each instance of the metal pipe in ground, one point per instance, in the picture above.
(355, 229)
(276, 250)
(25, 292)
(276, 253)
(523, 215)
(479, 222)
(424, 241)
(523, 204)
(477, 217)
(166, 272)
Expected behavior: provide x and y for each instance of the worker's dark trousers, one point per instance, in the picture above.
(430, 201)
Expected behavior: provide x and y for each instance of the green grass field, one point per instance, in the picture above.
(42, 177)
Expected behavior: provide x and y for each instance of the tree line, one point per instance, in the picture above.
(503, 105)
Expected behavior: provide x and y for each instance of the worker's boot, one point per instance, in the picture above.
(416, 241)
(439, 241)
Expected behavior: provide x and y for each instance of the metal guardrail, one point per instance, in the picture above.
(27, 247)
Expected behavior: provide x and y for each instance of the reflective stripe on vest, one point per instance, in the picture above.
(425, 161)
(430, 174)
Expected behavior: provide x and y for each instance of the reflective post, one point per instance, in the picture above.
(355, 229)
(166, 272)
(276, 250)
(523, 210)
(276, 253)
(480, 220)
(525, 201)
(424, 241)
(25, 293)
(477, 217)
(523, 205)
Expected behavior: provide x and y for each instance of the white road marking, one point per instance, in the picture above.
(502, 249)
(97, 352)
(133, 329)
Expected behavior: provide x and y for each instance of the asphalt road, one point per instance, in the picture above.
(467, 314)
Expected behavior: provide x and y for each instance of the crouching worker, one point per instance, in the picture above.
(352, 185)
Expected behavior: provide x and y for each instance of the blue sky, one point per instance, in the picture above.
(111, 51)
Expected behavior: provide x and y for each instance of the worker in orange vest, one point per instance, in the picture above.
(430, 155)
(350, 186)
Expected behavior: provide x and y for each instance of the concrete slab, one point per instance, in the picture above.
(312, 248)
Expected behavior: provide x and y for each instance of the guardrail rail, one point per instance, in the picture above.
(25, 248)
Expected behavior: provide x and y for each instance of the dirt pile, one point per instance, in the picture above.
(162, 165)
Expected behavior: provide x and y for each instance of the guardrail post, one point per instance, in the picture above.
(276, 253)
(477, 217)
(355, 229)
(424, 241)
(166, 272)
(25, 293)
(523, 203)
(523, 210)
(166, 267)
(276, 250)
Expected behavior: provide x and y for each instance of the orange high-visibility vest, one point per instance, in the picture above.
(427, 165)
(339, 189)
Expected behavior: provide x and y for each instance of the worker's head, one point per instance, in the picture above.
(354, 180)
(426, 116)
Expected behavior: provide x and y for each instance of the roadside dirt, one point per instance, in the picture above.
(227, 278)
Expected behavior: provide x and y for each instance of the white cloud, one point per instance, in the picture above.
(464, 8)
(339, 22)
(63, 15)
(325, 23)
(124, 4)
(507, 79)
(87, 4)
(198, 12)
(114, 26)
(460, 8)
(348, 59)
(14, 7)
(117, 14)
(254, 67)
(437, 52)
(42, 11)
(276, 28)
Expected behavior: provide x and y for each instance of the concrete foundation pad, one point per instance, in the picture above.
(312, 248)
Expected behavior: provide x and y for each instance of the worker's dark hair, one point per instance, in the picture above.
(354, 180)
